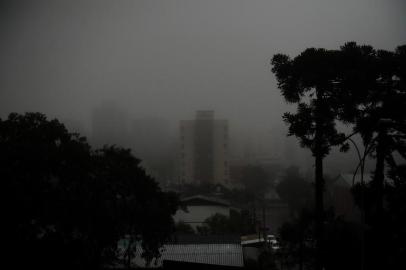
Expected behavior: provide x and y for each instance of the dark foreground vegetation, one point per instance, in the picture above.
(364, 89)
(67, 205)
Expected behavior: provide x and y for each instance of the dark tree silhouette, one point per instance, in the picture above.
(69, 206)
(296, 237)
(256, 181)
(309, 80)
(184, 228)
(219, 224)
(374, 83)
(365, 88)
(142, 211)
(295, 190)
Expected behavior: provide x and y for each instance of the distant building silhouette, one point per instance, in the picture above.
(204, 150)
(153, 143)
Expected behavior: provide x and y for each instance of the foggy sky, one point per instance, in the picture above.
(168, 59)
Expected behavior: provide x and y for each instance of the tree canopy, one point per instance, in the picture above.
(238, 222)
(309, 80)
(69, 205)
(295, 190)
(256, 181)
(365, 88)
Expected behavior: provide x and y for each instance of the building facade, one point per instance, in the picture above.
(204, 150)
(200, 208)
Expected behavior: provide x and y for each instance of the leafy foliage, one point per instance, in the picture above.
(309, 80)
(256, 181)
(183, 228)
(379, 98)
(236, 223)
(295, 190)
(366, 88)
(297, 240)
(68, 205)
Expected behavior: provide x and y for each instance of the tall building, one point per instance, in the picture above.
(204, 150)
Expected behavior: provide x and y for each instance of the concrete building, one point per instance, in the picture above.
(204, 150)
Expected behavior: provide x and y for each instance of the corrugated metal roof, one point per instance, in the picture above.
(214, 254)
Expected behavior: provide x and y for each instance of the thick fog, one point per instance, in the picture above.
(137, 67)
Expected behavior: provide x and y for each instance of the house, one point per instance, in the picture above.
(339, 195)
(200, 207)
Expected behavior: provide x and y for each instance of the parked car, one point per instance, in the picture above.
(273, 241)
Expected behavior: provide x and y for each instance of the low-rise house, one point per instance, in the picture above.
(199, 208)
(340, 197)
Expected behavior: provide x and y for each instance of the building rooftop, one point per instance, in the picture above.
(348, 179)
(205, 239)
(224, 254)
(204, 200)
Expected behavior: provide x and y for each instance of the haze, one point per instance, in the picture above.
(166, 59)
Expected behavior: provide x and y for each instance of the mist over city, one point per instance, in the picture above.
(183, 103)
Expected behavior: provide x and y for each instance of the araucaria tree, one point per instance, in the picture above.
(374, 83)
(365, 88)
(309, 80)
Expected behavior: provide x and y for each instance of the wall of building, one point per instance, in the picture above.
(221, 145)
(204, 147)
(197, 214)
(187, 149)
(204, 150)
